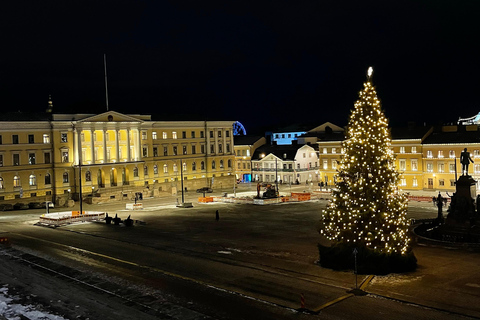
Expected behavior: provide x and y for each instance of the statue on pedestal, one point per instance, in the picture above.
(465, 161)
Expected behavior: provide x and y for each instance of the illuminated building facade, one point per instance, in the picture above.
(285, 164)
(115, 155)
(244, 147)
(425, 156)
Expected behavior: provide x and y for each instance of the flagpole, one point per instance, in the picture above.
(105, 70)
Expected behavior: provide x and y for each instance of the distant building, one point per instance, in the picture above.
(285, 164)
(244, 148)
(288, 135)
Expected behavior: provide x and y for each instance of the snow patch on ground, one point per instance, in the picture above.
(395, 279)
(15, 311)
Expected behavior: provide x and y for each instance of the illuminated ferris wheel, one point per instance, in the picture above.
(239, 129)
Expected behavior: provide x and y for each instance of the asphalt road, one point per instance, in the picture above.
(254, 263)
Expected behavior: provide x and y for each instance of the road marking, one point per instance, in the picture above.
(328, 304)
(167, 273)
(337, 300)
(366, 282)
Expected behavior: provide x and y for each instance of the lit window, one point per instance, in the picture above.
(415, 182)
(334, 164)
(440, 153)
(476, 168)
(402, 149)
(16, 181)
(174, 135)
(165, 168)
(155, 169)
(175, 169)
(32, 180)
(403, 182)
(154, 135)
(46, 138)
(451, 167)
(324, 150)
(476, 153)
(429, 154)
(429, 167)
(65, 177)
(164, 135)
(414, 149)
(184, 166)
(2, 186)
(144, 135)
(16, 159)
(31, 158)
(414, 164)
(334, 150)
(402, 164)
(64, 156)
(451, 153)
(325, 164)
(441, 167)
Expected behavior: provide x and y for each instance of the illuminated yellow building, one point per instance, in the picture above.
(116, 155)
(244, 147)
(425, 156)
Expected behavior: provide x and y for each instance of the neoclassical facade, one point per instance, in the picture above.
(112, 155)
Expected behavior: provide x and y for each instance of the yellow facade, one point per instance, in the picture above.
(113, 154)
(424, 163)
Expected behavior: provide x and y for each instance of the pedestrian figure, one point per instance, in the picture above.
(217, 216)
(465, 161)
(440, 207)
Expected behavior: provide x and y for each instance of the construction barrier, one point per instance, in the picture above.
(301, 196)
(134, 206)
(63, 218)
(205, 199)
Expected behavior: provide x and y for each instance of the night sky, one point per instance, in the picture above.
(263, 63)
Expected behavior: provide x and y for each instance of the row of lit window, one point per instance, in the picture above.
(32, 158)
(32, 180)
(184, 134)
(451, 154)
(30, 138)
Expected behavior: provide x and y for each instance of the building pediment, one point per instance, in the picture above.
(112, 116)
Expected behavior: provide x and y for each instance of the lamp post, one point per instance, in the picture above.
(181, 177)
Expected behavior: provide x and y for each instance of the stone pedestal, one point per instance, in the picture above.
(462, 206)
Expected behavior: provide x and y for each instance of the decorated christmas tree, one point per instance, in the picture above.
(367, 212)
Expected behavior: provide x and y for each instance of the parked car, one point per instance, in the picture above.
(20, 206)
(205, 190)
(6, 207)
(35, 205)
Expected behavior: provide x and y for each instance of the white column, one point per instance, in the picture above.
(129, 156)
(117, 145)
(92, 145)
(105, 160)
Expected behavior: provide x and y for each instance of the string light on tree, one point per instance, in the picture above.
(367, 209)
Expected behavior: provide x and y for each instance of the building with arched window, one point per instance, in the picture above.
(106, 151)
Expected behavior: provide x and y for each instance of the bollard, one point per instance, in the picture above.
(302, 301)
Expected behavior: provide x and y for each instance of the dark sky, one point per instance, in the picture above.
(264, 63)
